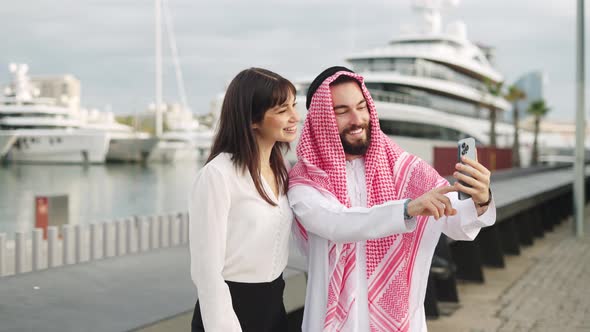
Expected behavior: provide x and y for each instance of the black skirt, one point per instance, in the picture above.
(258, 306)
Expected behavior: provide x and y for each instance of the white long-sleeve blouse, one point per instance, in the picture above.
(235, 235)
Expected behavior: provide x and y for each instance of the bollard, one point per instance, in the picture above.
(3, 253)
(150, 241)
(180, 228)
(187, 222)
(78, 232)
(509, 233)
(129, 224)
(183, 227)
(467, 256)
(142, 243)
(173, 230)
(37, 253)
(491, 247)
(19, 256)
(154, 222)
(163, 238)
(154, 228)
(119, 237)
(525, 229)
(94, 241)
(67, 244)
(51, 246)
(107, 239)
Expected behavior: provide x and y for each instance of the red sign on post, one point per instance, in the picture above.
(41, 214)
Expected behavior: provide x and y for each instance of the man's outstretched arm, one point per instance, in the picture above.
(326, 217)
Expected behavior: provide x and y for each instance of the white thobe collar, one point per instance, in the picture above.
(356, 183)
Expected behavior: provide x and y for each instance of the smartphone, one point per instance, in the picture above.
(466, 147)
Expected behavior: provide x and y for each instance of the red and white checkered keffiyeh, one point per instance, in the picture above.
(391, 174)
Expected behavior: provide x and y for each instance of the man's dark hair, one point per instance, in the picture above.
(313, 87)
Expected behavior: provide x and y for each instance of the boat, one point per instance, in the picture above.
(180, 136)
(41, 129)
(430, 86)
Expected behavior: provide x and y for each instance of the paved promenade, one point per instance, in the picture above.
(546, 288)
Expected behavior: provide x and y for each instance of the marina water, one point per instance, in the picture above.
(96, 193)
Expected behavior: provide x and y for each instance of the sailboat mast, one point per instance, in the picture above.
(158, 50)
(169, 27)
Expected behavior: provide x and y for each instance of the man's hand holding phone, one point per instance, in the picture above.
(474, 174)
(473, 181)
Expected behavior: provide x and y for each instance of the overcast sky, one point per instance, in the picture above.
(108, 44)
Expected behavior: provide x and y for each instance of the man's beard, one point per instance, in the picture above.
(358, 148)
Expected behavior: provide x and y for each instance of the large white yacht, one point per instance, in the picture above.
(41, 121)
(38, 129)
(429, 86)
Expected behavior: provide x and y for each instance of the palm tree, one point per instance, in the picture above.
(538, 109)
(494, 89)
(514, 95)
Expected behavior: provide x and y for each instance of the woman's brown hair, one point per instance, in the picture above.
(249, 95)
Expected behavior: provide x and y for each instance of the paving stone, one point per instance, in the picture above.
(551, 292)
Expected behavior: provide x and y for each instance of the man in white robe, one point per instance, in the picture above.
(369, 214)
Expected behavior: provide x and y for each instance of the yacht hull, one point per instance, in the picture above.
(59, 147)
(175, 146)
(170, 152)
(131, 149)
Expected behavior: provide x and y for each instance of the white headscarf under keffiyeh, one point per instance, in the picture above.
(391, 174)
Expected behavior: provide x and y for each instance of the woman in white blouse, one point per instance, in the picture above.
(240, 218)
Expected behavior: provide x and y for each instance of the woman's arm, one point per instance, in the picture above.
(208, 212)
